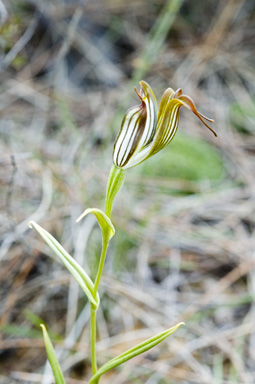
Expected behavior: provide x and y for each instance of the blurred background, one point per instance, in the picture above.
(185, 219)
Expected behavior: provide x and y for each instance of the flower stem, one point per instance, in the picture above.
(93, 339)
(115, 181)
(105, 243)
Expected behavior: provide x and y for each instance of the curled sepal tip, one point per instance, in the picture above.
(129, 354)
(57, 372)
(73, 267)
(103, 220)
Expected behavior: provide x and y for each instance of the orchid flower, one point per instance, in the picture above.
(145, 129)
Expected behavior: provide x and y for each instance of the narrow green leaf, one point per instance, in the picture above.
(103, 220)
(52, 358)
(74, 268)
(129, 354)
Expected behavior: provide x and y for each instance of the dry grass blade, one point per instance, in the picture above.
(184, 243)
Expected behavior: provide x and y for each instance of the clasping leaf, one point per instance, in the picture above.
(129, 354)
(103, 221)
(73, 267)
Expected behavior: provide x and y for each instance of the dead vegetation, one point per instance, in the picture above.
(184, 248)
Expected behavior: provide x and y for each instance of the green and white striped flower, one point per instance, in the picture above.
(145, 129)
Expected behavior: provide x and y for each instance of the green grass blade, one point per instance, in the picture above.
(52, 358)
(129, 354)
(74, 268)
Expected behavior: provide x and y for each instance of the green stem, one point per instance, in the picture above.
(114, 184)
(115, 181)
(105, 243)
(93, 339)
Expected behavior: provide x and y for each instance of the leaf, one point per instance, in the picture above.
(74, 268)
(129, 354)
(52, 357)
(115, 181)
(103, 221)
